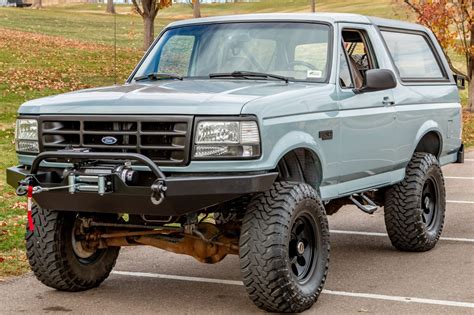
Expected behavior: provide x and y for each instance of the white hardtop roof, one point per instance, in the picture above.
(331, 18)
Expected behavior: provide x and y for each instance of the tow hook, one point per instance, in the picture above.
(158, 190)
(23, 185)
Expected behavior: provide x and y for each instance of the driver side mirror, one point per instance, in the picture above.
(460, 81)
(377, 80)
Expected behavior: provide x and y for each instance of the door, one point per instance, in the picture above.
(367, 120)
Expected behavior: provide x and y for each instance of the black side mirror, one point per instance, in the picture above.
(460, 81)
(378, 80)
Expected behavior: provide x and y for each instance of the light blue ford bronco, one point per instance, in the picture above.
(238, 135)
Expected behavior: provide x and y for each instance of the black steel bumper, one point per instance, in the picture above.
(184, 193)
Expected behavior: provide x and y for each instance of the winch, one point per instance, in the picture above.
(89, 175)
(86, 179)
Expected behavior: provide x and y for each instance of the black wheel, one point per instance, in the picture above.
(284, 248)
(414, 208)
(60, 258)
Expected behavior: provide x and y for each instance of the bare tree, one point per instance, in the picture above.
(110, 7)
(197, 8)
(313, 5)
(148, 9)
(37, 4)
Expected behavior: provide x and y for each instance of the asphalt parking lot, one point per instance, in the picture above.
(366, 274)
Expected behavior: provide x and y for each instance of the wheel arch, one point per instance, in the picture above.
(301, 164)
(429, 139)
(302, 144)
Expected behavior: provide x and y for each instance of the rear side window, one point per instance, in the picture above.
(413, 56)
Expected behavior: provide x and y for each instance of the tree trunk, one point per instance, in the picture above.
(110, 7)
(470, 70)
(37, 4)
(313, 5)
(149, 31)
(470, 93)
(197, 9)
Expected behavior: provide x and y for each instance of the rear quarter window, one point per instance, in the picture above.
(413, 56)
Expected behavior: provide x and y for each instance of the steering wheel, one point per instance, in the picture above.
(301, 63)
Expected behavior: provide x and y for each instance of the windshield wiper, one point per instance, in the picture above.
(159, 76)
(248, 74)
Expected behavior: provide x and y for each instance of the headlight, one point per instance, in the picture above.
(26, 136)
(227, 140)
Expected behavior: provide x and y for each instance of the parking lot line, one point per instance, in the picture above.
(175, 277)
(458, 177)
(452, 239)
(394, 298)
(405, 299)
(460, 201)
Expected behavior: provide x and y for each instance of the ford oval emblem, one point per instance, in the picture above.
(109, 140)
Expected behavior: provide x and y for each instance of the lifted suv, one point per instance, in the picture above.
(238, 135)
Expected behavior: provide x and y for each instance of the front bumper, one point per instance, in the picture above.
(184, 194)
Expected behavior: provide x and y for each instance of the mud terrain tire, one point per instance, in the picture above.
(284, 248)
(53, 260)
(415, 207)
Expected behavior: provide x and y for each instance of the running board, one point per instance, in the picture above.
(364, 203)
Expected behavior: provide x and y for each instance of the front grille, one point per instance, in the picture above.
(164, 139)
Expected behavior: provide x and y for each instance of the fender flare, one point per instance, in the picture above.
(428, 126)
(296, 140)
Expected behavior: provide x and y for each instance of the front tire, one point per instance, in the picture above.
(56, 259)
(284, 248)
(415, 208)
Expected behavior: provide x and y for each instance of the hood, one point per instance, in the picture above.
(194, 97)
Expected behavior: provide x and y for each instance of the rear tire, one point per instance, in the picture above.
(415, 208)
(56, 262)
(284, 248)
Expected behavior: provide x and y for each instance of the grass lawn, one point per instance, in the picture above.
(59, 49)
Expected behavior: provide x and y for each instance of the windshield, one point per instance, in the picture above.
(297, 51)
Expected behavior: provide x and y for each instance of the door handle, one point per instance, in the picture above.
(388, 101)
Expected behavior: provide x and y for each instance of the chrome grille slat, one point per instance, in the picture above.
(164, 139)
(60, 132)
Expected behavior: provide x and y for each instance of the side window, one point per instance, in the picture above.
(176, 55)
(413, 56)
(345, 78)
(360, 57)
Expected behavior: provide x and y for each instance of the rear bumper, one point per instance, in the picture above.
(184, 194)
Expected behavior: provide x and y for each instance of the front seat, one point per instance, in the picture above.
(358, 78)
